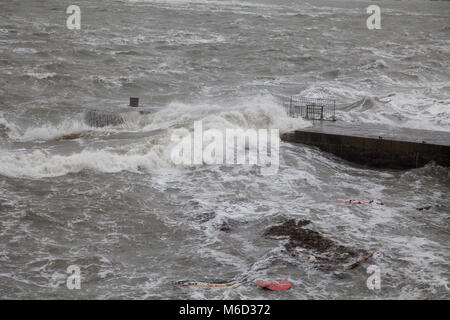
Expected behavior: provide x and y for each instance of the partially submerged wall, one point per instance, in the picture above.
(378, 152)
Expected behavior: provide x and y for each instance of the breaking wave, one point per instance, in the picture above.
(151, 152)
(410, 109)
(7, 129)
(67, 129)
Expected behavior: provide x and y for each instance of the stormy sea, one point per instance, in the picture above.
(109, 204)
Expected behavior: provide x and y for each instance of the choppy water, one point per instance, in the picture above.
(112, 202)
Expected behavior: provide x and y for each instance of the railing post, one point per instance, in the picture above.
(311, 108)
(290, 107)
(334, 110)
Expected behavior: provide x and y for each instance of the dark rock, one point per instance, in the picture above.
(424, 208)
(225, 227)
(327, 252)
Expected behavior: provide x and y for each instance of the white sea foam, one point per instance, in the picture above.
(410, 109)
(8, 129)
(50, 131)
(256, 113)
(41, 75)
(38, 164)
(25, 50)
(152, 153)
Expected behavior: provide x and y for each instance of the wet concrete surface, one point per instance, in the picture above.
(376, 145)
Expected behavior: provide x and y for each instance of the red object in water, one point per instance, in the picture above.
(274, 284)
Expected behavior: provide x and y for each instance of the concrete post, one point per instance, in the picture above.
(134, 102)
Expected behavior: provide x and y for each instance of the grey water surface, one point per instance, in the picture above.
(111, 201)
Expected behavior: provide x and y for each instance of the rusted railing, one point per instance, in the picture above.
(309, 108)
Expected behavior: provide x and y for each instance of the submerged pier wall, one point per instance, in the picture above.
(377, 145)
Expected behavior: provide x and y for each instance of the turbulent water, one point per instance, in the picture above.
(111, 201)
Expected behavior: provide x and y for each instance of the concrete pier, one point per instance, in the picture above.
(376, 145)
(115, 116)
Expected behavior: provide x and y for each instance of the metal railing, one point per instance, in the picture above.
(309, 108)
